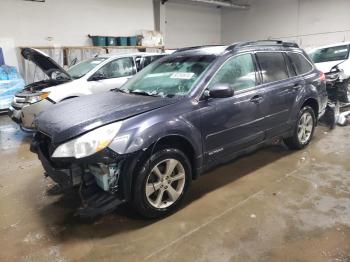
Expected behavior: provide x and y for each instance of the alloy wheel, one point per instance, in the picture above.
(165, 183)
(305, 127)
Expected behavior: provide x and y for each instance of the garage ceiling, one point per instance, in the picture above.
(223, 3)
(217, 3)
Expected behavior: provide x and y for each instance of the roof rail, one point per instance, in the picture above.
(261, 42)
(194, 47)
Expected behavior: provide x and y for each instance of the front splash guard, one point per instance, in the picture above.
(96, 202)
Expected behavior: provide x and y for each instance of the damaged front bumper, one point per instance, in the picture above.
(102, 181)
(24, 113)
(337, 89)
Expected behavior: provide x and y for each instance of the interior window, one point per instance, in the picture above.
(301, 65)
(118, 68)
(239, 72)
(273, 66)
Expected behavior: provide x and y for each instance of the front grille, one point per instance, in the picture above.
(47, 149)
(45, 144)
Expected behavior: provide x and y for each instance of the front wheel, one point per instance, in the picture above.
(161, 183)
(344, 92)
(303, 130)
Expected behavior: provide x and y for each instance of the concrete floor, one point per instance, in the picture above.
(273, 205)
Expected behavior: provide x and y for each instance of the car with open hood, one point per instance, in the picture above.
(184, 114)
(334, 61)
(98, 74)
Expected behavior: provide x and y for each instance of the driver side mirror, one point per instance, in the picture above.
(97, 76)
(221, 90)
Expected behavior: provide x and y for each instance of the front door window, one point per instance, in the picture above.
(238, 72)
(121, 67)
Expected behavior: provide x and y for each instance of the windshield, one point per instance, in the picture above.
(174, 76)
(84, 67)
(330, 54)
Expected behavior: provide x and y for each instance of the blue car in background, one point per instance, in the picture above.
(10, 83)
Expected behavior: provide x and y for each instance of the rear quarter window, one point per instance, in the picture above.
(273, 66)
(300, 63)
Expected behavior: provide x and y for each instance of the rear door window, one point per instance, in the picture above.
(273, 66)
(300, 63)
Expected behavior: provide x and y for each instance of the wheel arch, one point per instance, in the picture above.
(181, 143)
(177, 141)
(313, 103)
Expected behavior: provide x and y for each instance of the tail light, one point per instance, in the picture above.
(323, 77)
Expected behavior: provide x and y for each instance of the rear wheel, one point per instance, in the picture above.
(162, 182)
(303, 130)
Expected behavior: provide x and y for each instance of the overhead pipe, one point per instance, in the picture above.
(229, 4)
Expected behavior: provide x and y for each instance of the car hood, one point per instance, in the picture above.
(43, 61)
(74, 117)
(326, 67)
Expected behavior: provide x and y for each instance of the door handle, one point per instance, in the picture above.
(256, 99)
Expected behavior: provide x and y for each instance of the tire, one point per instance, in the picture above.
(156, 192)
(344, 92)
(299, 141)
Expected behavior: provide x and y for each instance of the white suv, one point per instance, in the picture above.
(334, 61)
(98, 74)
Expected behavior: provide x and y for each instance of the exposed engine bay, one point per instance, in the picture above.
(38, 86)
(106, 176)
(97, 184)
(338, 85)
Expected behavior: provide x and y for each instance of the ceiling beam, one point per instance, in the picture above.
(220, 3)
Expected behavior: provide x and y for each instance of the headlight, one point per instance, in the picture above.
(332, 75)
(89, 143)
(36, 98)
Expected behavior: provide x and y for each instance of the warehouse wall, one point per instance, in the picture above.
(189, 24)
(69, 22)
(309, 22)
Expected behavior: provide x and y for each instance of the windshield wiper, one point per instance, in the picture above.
(142, 93)
(118, 90)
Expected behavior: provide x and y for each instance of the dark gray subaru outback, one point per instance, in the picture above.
(182, 115)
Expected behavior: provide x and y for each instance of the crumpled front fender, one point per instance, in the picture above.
(143, 137)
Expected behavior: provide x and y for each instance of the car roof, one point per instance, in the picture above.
(218, 50)
(202, 50)
(332, 45)
(119, 55)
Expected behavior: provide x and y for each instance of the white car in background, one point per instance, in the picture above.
(98, 74)
(334, 61)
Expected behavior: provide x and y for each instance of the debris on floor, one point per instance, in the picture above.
(344, 118)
